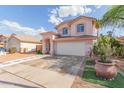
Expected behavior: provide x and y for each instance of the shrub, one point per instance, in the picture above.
(107, 47)
(39, 52)
(120, 51)
(90, 62)
(103, 48)
(13, 50)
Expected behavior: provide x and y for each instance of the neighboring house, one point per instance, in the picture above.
(3, 41)
(121, 40)
(23, 43)
(73, 37)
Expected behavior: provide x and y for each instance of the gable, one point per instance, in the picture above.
(69, 22)
(13, 39)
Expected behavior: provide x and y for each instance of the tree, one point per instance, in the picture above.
(110, 33)
(98, 26)
(114, 16)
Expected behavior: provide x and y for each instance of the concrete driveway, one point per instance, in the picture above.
(61, 64)
(49, 71)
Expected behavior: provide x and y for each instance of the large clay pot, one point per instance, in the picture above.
(105, 70)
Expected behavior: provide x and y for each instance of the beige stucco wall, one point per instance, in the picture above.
(88, 27)
(80, 48)
(44, 43)
(60, 29)
(13, 43)
(21, 45)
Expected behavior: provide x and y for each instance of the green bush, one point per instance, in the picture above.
(119, 51)
(13, 50)
(39, 52)
(107, 47)
(103, 48)
(90, 62)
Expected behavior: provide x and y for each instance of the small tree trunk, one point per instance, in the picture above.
(97, 34)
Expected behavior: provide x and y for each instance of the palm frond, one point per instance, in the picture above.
(114, 16)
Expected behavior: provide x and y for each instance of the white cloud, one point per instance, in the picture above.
(55, 20)
(65, 11)
(58, 14)
(14, 26)
(54, 11)
(98, 6)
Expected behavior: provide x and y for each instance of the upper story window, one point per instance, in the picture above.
(80, 28)
(65, 31)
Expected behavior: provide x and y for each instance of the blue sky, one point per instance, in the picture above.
(35, 19)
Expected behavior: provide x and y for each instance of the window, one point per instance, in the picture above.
(80, 28)
(65, 31)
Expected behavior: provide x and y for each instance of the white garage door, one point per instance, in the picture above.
(71, 48)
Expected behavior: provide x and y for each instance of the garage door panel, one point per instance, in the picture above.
(71, 48)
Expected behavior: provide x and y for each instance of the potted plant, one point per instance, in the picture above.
(104, 66)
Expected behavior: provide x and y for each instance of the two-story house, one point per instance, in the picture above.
(73, 37)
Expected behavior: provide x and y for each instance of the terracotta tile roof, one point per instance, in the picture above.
(26, 38)
(73, 38)
(81, 36)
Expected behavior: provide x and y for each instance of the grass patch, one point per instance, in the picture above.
(90, 62)
(90, 76)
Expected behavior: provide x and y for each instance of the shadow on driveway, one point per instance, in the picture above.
(64, 64)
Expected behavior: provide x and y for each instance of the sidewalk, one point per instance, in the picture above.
(14, 56)
(8, 80)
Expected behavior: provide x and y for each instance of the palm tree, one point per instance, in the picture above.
(114, 16)
(98, 26)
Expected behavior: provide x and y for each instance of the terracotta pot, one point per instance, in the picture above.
(106, 70)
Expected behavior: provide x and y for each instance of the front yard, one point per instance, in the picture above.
(89, 75)
(105, 70)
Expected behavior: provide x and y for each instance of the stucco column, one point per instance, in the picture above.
(52, 43)
(51, 47)
(43, 46)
